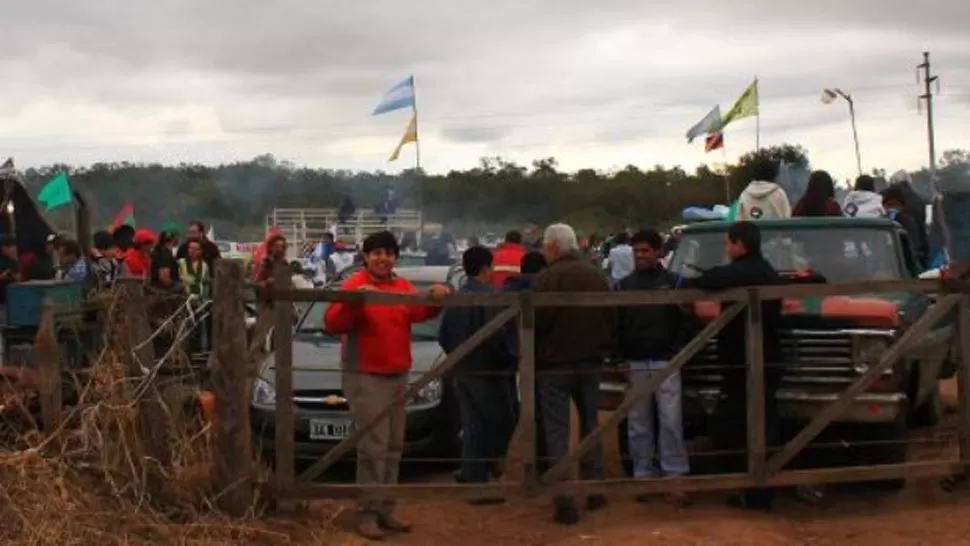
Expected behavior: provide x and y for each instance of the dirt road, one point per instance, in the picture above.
(922, 514)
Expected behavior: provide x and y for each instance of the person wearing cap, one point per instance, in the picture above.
(43, 265)
(137, 258)
(164, 271)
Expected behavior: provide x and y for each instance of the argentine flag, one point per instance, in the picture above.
(400, 96)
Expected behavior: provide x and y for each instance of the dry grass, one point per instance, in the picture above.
(107, 475)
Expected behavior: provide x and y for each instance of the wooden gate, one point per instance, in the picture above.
(762, 470)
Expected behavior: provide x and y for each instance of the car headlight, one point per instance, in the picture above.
(264, 394)
(430, 395)
(868, 352)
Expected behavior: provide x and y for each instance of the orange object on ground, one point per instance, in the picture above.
(207, 399)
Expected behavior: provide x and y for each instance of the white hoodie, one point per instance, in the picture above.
(863, 204)
(763, 200)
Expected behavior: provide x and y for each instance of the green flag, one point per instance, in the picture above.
(746, 105)
(55, 193)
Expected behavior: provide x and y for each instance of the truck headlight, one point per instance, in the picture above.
(430, 395)
(264, 394)
(868, 352)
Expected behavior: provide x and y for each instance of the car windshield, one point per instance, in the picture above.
(312, 322)
(839, 255)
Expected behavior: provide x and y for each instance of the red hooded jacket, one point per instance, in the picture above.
(376, 338)
(506, 262)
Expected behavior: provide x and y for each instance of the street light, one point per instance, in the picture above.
(828, 97)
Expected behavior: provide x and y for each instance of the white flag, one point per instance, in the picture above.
(211, 234)
(710, 124)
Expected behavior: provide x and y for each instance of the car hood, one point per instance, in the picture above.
(316, 363)
(888, 310)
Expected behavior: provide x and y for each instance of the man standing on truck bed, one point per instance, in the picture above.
(748, 267)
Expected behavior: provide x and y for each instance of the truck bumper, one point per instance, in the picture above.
(793, 404)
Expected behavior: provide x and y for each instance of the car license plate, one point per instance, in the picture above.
(330, 429)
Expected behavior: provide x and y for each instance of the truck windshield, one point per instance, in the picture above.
(840, 255)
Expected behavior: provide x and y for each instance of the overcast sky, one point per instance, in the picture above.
(594, 83)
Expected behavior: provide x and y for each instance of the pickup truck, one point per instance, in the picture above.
(827, 341)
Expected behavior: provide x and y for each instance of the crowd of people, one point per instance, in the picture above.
(571, 345)
(162, 260)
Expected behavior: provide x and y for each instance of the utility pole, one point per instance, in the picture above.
(928, 80)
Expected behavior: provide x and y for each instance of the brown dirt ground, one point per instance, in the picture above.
(922, 514)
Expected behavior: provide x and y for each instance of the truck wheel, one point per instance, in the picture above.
(929, 413)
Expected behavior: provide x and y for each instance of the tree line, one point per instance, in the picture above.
(495, 194)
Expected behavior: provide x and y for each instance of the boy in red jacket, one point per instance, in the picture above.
(376, 361)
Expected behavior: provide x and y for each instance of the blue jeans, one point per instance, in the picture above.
(645, 431)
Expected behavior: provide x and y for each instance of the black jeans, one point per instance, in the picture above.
(489, 410)
(555, 387)
(729, 429)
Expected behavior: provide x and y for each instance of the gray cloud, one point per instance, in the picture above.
(301, 74)
(474, 134)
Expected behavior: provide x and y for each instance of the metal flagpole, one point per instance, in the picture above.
(417, 162)
(757, 94)
(855, 133)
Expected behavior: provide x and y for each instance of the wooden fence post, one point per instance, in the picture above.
(45, 358)
(283, 347)
(754, 345)
(963, 382)
(230, 380)
(527, 390)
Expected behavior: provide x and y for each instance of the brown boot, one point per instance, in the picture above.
(367, 527)
(391, 523)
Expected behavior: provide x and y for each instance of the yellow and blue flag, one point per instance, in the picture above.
(399, 96)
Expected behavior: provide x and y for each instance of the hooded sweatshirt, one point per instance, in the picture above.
(763, 200)
(863, 204)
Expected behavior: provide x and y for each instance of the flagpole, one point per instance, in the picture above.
(417, 161)
(757, 129)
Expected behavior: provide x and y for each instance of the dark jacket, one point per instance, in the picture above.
(460, 323)
(649, 332)
(518, 283)
(210, 252)
(918, 244)
(572, 335)
(829, 208)
(750, 270)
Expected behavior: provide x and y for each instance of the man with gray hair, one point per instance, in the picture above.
(571, 344)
